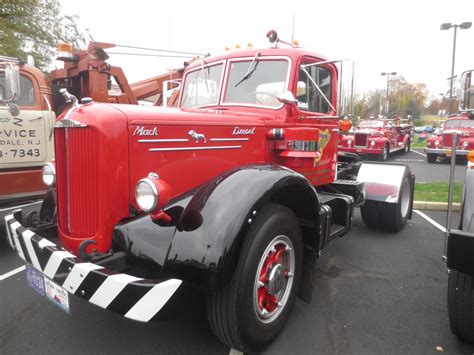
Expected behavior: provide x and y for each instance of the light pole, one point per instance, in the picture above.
(388, 80)
(447, 26)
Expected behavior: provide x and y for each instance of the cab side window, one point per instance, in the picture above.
(308, 95)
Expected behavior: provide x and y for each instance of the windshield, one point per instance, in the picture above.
(459, 124)
(27, 92)
(371, 124)
(202, 86)
(259, 86)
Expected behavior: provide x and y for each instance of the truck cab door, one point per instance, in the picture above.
(316, 91)
(26, 141)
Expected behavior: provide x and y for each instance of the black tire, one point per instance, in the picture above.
(389, 216)
(461, 305)
(385, 153)
(431, 158)
(408, 146)
(230, 310)
(370, 214)
(394, 216)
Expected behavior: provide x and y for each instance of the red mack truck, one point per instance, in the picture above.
(378, 138)
(236, 191)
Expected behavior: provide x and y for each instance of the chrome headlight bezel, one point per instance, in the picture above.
(48, 174)
(146, 206)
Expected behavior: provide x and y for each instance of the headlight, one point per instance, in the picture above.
(372, 144)
(146, 195)
(436, 142)
(49, 174)
(349, 142)
(465, 144)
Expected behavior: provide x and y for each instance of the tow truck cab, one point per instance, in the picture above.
(26, 133)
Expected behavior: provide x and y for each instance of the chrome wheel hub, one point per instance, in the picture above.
(274, 279)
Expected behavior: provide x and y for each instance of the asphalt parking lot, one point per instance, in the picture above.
(375, 293)
(425, 172)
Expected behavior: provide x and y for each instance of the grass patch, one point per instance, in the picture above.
(436, 191)
(416, 143)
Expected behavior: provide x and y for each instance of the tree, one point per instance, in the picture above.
(368, 103)
(406, 98)
(36, 27)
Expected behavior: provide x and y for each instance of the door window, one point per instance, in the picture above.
(310, 96)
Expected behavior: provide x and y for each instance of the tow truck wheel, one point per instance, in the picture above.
(431, 158)
(385, 152)
(461, 304)
(249, 312)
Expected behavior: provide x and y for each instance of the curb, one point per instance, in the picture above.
(435, 206)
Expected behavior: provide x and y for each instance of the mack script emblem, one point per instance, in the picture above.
(142, 131)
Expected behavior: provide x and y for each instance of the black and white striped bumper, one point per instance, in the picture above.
(131, 296)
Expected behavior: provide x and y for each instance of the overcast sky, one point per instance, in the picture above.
(391, 35)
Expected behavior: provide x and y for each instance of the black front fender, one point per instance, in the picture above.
(206, 238)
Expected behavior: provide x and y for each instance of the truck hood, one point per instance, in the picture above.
(171, 115)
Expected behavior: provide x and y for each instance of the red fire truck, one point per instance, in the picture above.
(237, 191)
(439, 145)
(378, 138)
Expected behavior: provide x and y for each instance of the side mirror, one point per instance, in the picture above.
(13, 108)
(287, 98)
(12, 83)
(466, 91)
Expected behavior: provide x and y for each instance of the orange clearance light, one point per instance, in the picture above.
(227, 48)
(65, 52)
(237, 46)
(470, 156)
(345, 125)
(249, 45)
(296, 43)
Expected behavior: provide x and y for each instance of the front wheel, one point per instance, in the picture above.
(431, 158)
(385, 152)
(249, 312)
(461, 305)
(407, 146)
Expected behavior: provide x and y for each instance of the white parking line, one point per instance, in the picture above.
(11, 273)
(414, 151)
(433, 222)
(235, 352)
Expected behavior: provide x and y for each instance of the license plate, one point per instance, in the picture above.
(359, 150)
(448, 153)
(47, 288)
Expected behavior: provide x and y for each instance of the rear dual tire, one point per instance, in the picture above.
(389, 216)
(234, 312)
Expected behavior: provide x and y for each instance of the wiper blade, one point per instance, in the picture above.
(250, 70)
